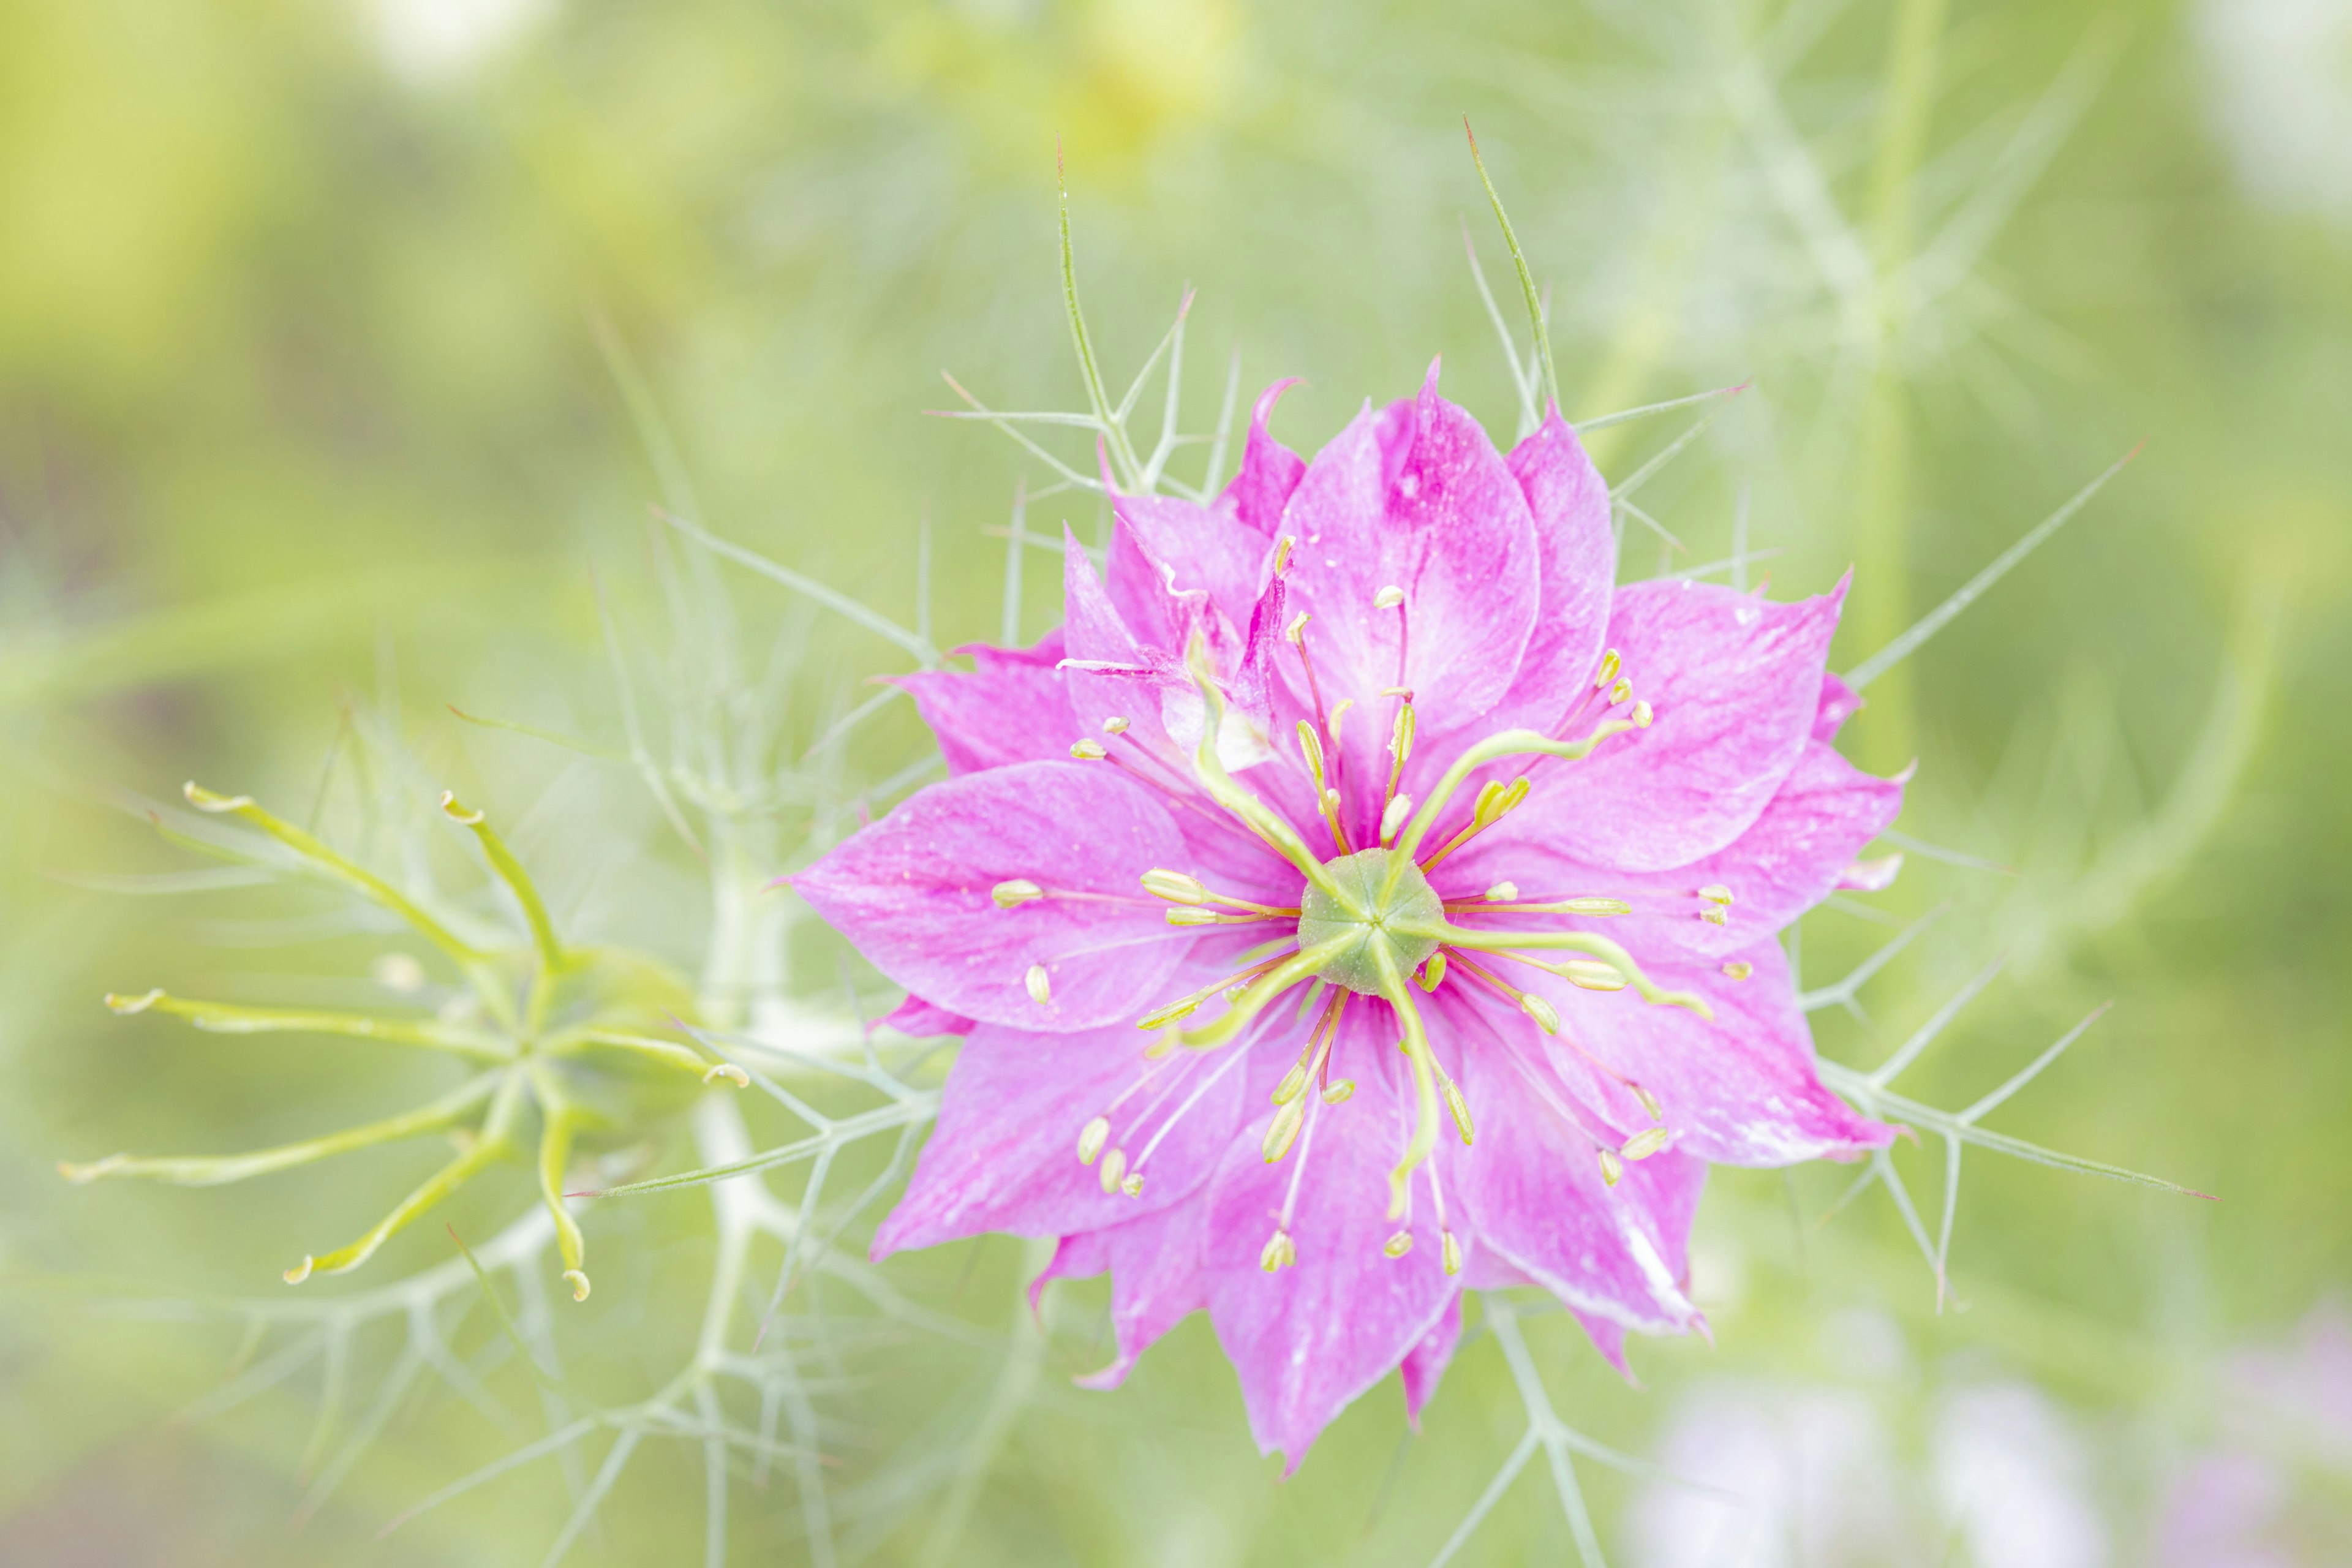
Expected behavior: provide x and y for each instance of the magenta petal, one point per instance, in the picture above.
(922, 1020)
(1164, 551)
(1532, 1187)
(1577, 552)
(1839, 703)
(1306, 1339)
(1788, 860)
(1270, 470)
(1426, 1362)
(1735, 682)
(1012, 708)
(1451, 528)
(912, 893)
(1157, 1278)
(1004, 1155)
(1738, 1090)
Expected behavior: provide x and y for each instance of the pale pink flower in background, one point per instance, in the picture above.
(1442, 874)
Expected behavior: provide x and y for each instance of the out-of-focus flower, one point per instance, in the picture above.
(1818, 1476)
(2281, 85)
(2283, 1407)
(1465, 756)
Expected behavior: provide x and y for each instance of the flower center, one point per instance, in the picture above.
(1385, 904)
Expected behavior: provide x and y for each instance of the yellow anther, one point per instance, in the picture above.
(1642, 714)
(1337, 1090)
(578, 1280)
(1609, 666)
(1115, 725)
(1621, 691)
(1594, 906)
(1331, 802)
(1497, 798)
(1293, 1084)
(1282, 554)
(1432, 974)
(1546, 1015)
(1738, 969)
(1310, 746)
(1174, 885)
(1091, 1138)
(1715, 893)
(203, 799)
(1133, 1185)
(1649, 1101)
(1282, 1132)
(1387, 598)
(1395, 814)
(1404, 691)
(1502, 893)
(1591, 975)
(1159, 1016)
(1460, 1107)
(1113, 1170)
(127, 1005)
(300, 1271)
(1401, 733)
(1279, 1251)
(1013, 894)
(1612, 1169)
(1296, 632)
(1450, 1251)
(728, 1071)
(1088, 751)
(1040, 984)
(1190, 916)
(1644, 1143)
(1715, 915)
(1339, 712)
(1397, 1245)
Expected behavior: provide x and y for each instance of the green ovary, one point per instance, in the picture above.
(1372, 920)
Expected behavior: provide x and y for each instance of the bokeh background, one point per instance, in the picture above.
(344, 349)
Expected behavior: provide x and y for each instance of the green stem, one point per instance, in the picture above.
(560, 1119)
(553, 959)
(495, 1140)
(1424, 1079)
(1527, 281)
(1262, 990)
(228, 1018)
(213, 1170)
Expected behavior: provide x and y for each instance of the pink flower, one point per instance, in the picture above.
(1439, 875)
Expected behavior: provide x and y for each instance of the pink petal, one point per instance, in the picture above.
(1840, 702)
(1438, 515)
(1787, 860)
(1738, 1090)
(912, 893)
(1735, 682)
(1426, 1362)
(1532, 1187)
(922, 1020)
(1270, 470)
(1012, 708)
(1157, 1280)
(1163, 548)
(1578, 555)
(1004, 1155)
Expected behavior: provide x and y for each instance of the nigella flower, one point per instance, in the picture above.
(1360, 899)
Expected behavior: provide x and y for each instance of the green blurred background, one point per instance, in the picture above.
(306, 434)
